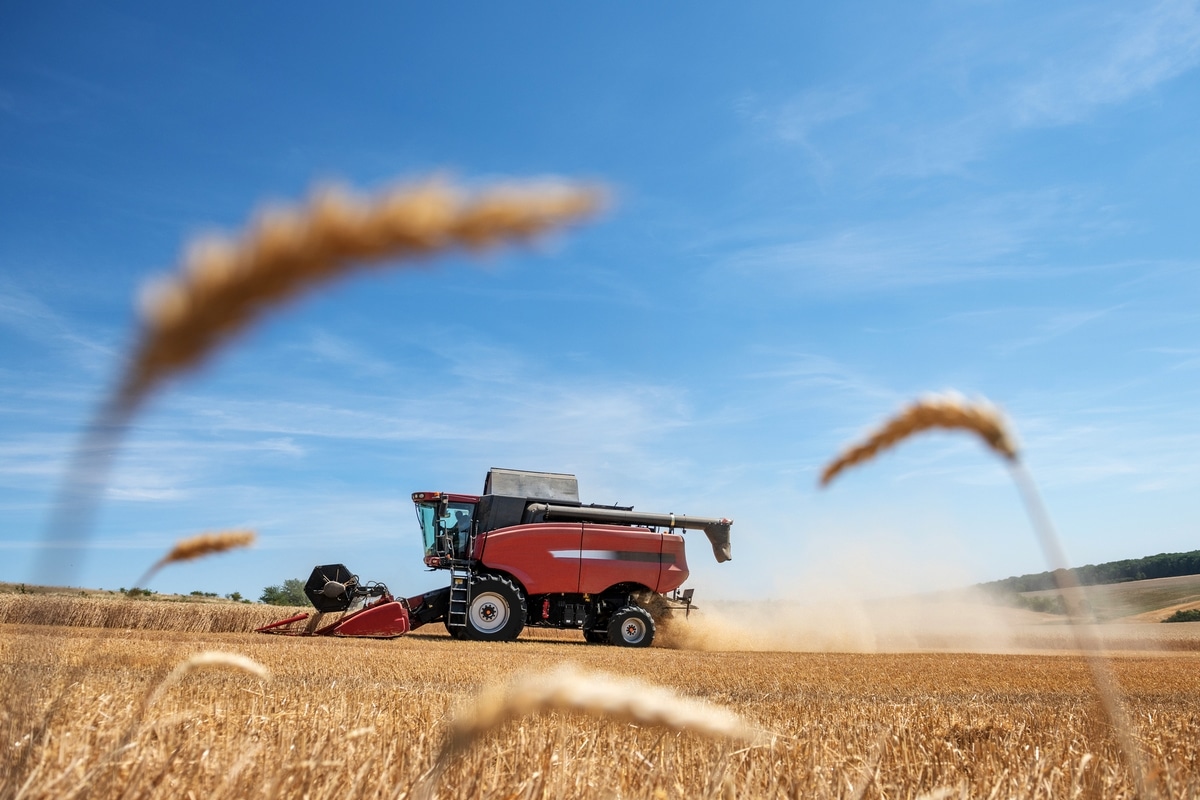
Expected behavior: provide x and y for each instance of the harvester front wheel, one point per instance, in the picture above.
(631, 626)
(497, 610)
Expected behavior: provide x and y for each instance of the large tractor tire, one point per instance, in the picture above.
(497, 610)
(631, 626)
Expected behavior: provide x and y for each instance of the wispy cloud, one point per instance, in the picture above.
(1056, 325)
(802, 120)
(1127, 54)
(951, 107)
(27, 315)
(328, 348)
(1111, 57)
(834, 381)
(953, 244)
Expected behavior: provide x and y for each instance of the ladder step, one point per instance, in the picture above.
(460, 598)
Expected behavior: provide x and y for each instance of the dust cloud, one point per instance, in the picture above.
(964, 621)
(877, 595)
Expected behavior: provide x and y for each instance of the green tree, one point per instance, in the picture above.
(290, 594)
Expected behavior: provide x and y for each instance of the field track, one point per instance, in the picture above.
(362, 718)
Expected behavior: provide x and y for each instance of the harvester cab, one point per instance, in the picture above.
(446, 523)
(527, 552)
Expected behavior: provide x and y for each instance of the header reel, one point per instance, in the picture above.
(333, 587)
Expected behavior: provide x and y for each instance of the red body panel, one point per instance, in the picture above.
(543, 557)
(674, 564)
(570, 557)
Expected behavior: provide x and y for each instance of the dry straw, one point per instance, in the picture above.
(205, 660)
(204, 544)
(948, 411)
(952, 411)
(599, 695)
(226, 285)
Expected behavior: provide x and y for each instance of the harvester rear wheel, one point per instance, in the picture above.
(631, 626)
(497, 610)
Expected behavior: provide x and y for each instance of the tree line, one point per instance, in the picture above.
(1163, 565)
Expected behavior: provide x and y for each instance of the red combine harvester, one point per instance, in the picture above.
(525, 552)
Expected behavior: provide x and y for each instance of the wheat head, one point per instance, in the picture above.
(204, 660)
(225, 285)
(198, 546)
(596, 694)
(206, 544)
(949, 411)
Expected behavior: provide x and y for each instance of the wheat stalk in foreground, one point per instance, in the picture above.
(596, 694)
(953, 411)
(225, 285)
(203, 660)
(949, 411)
(198, 546)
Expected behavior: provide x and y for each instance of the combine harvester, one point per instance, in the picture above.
(525, 552)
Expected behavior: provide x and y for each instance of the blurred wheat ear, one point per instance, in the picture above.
(952, 411)
(947, 411)
(204, 544)
(595, 694)
(204, 660)
(226, 285)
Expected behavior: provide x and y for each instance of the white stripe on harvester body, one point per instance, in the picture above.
(601, 555)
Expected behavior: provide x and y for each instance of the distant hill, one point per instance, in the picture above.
(1163, 565)
(1134, 590)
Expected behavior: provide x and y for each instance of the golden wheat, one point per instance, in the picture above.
(366, 719)
(595, 694)
(121, 613)
(204, 544)
(568, 688)
(204, 660)
(225, 285)
(950, 411)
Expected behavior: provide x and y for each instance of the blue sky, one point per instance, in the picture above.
(822, 211)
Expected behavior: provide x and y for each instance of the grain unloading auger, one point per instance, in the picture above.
(525, 552)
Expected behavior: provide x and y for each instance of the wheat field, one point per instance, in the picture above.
(366, 718)
(130, 699)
